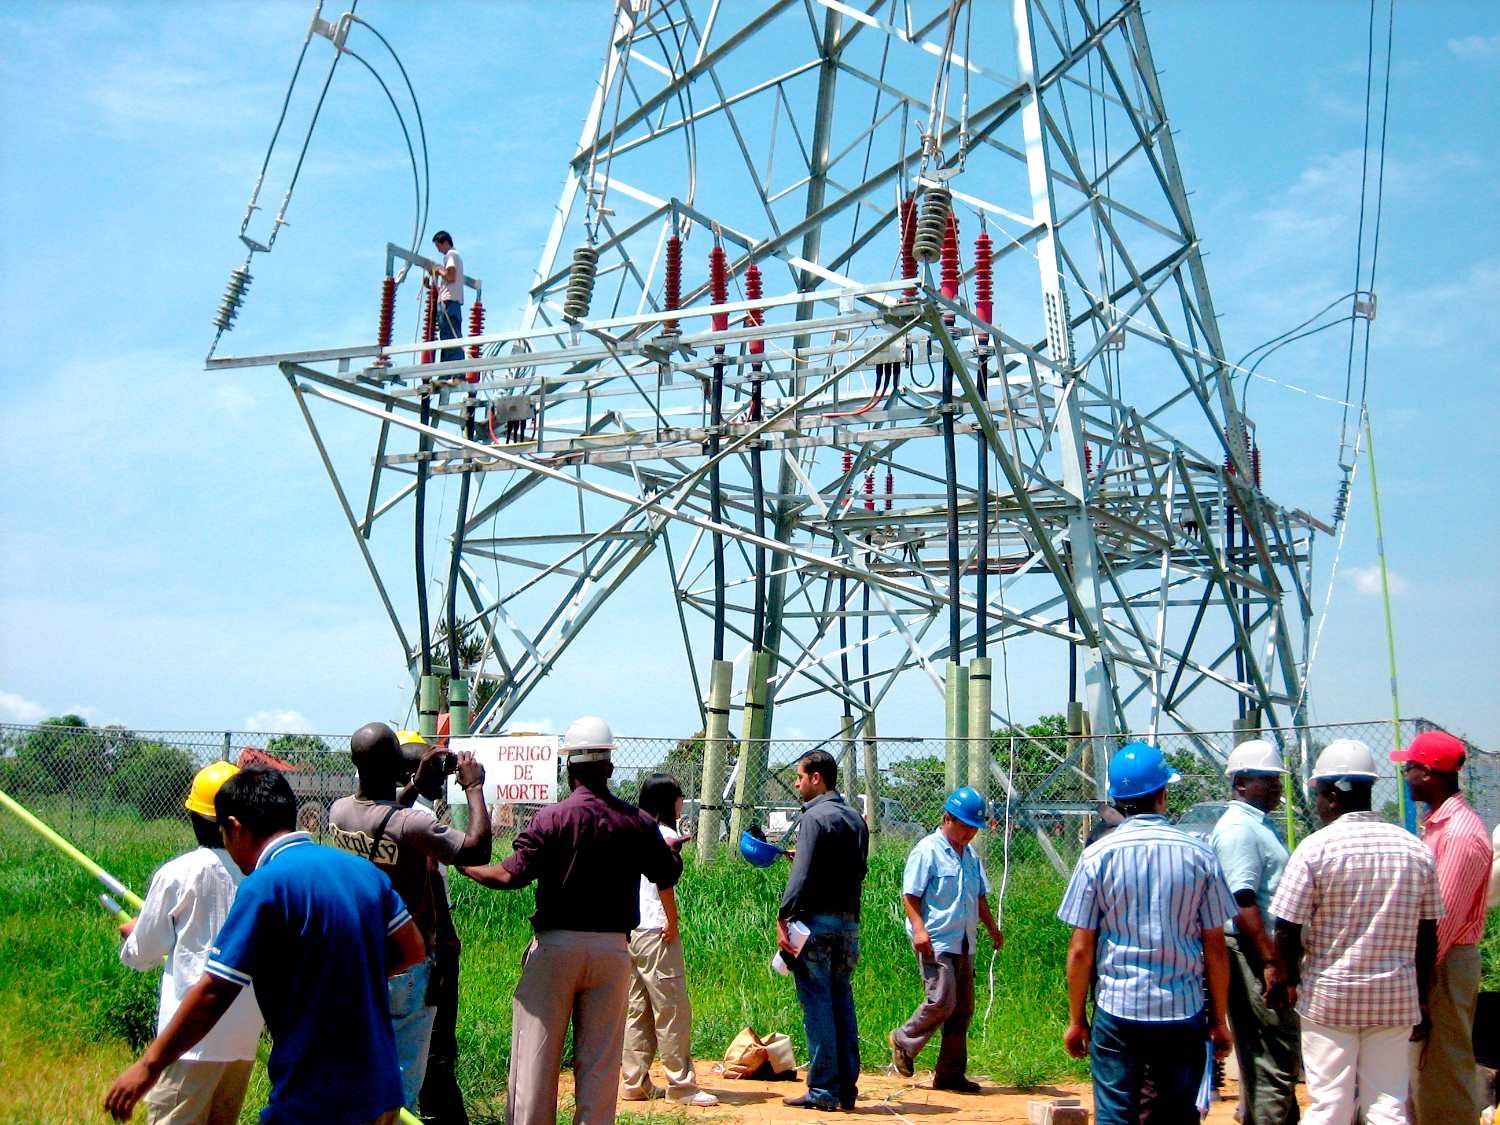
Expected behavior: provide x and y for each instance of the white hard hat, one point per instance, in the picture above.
(1345, 757)
(1254, 756)
(588, 739)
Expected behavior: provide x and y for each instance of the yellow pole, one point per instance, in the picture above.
(110, 883)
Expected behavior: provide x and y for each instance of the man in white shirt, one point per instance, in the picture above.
(449, 279)
(186, 904)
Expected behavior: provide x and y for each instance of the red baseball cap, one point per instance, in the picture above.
(1435, 749)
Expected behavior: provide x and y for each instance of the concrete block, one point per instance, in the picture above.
(1057, 1111)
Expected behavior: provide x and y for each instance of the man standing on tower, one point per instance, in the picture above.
(449, 279)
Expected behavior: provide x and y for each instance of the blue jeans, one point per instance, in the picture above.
(450, 326)
(1121, 1052)
(411, 1019)
(822, 972)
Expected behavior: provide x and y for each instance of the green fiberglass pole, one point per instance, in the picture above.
(110, 883)
(1407, 809)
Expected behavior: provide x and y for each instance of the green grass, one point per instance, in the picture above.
(74, 1015)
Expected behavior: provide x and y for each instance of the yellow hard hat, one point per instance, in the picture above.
(206, 782)
(410, 738)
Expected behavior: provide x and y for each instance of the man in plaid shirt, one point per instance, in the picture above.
(1444, 1081)
(1357, 912)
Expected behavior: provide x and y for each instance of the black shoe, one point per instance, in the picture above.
(901, 1059)
(958, 1086)
(807, 1101)
(848, 1105)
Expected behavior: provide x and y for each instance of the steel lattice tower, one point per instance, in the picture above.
(1100, 488)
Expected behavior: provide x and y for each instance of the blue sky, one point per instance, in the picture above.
(174, 558)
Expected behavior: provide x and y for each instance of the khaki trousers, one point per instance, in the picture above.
(659, 1018)
(585, 976)
(199, 1093)
(1444, 1080)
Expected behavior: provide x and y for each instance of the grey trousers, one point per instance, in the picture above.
(1444, 1079)
(947, 1003)
(1267, 1043)
(585, 977)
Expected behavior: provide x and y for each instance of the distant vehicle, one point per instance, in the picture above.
(315, 785)
(895, 820)
(1199, 820)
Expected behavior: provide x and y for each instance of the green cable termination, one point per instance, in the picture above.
(1407, 810)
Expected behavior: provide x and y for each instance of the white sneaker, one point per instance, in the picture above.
(701, 1098)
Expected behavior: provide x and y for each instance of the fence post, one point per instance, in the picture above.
(715, 739)
(872, 774)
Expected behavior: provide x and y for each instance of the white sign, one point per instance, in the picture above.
(519, 770)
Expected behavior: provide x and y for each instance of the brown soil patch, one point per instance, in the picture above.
(883, 1096)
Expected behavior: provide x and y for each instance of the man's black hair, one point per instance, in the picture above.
(442, 236)
(205, 831)
(659, 795)
(591, 775)
(1137, 806)
(260, 799)
(821, 763)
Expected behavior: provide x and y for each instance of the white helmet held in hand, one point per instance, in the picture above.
(588, 739)
(1345, 757)
(1255, 756)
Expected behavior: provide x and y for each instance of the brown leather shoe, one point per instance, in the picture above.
(901, 1059)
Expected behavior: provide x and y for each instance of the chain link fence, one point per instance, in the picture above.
(97, 784)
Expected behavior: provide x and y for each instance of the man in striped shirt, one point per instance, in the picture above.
(1444, 1084)
(1356, 928)
(1147, 904)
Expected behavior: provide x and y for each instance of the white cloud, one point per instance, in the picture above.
(278, 722)
(18, 709)
(1476, 47)
(1366, 581)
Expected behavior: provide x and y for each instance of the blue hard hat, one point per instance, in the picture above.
(966, 805)
(758, 852)
(1137, 769)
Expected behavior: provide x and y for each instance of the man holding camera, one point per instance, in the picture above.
(408, 844)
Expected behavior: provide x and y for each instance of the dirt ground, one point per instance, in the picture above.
(883, 1096)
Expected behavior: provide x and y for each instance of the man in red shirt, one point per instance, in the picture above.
(1444, 1085)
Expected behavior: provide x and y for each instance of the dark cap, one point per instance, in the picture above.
(442, 236)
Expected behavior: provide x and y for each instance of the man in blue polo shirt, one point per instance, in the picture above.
(946, 895)
(317, 932)
(1147, 904)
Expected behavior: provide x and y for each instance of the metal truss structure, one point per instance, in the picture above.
(897, 474)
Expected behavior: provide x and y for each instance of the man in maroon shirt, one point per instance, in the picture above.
(587, 855)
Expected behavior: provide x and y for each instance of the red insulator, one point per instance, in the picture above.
(869, 490)
(1088, 459)
(476, 328)
(674, 281)
(1255, 464)
(755, 317)
(387, 311)
(952, 269)
(908, 235)
(984, 282)
(718, 282)
(890, 488)
(429, 322)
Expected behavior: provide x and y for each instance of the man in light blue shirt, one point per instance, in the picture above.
(1147, 904)
(1266, 1039)
(946, 895)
